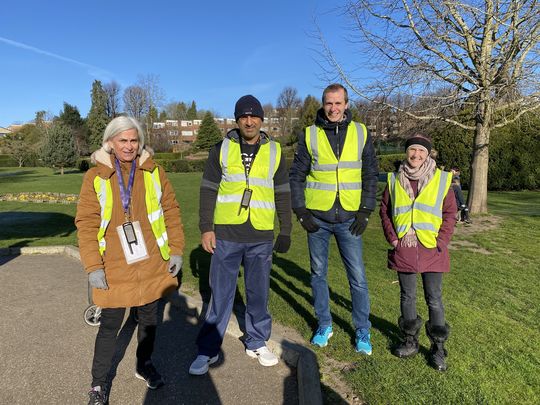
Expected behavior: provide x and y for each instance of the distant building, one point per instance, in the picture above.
(4, 132)
(182, 133)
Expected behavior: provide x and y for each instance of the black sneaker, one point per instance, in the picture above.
(149, 374)
(97, 397)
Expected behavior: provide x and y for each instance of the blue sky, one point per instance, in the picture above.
(212, 52)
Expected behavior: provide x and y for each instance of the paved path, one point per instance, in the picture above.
(46, 348)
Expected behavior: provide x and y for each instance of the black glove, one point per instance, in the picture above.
(360, 222)
(283, 243)
(306, 219)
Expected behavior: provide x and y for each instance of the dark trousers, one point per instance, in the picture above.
(224, 268)
(432, 283)
(110, 324)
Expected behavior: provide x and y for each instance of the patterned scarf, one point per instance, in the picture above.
(423, 174)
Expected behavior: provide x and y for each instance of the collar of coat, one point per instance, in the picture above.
(234, 135)
(104, 162)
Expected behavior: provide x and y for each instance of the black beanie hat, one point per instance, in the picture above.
(248, 105)
(418, 140)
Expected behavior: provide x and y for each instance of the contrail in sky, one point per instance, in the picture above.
(92, 70)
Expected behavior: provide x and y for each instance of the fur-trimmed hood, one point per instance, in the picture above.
(105, 158)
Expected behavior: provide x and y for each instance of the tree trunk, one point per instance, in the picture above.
(477, 198)
(62, 170)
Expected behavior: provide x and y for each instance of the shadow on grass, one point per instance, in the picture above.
(12, 174)
(27, 224)
(292, 293)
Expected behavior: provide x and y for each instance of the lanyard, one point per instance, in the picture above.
(125, 193)
(252, 161)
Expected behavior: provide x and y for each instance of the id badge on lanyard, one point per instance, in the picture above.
(130, 233)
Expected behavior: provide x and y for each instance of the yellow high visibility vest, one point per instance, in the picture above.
(424, 214)
(152, 185)
(262, 206)
(328, 176)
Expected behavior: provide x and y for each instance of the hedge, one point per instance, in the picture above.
(182, 165)
(8, 161)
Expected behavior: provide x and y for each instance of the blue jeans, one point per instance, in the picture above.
(224, 268)
(350, 249)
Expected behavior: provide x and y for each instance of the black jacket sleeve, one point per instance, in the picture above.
(209, 190)
(299, 171)
(370, 176)
(282, 198)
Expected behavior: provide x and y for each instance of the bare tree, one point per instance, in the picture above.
(449, 57)
(135, 102)
(288, 104)
(155, 96)
(112, 90)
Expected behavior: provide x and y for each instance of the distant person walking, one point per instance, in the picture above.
(243, 186)
(458, 193)
(333, 184)
(418, 216)
(131, 241)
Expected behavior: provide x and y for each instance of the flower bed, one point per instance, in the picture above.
(41, 197)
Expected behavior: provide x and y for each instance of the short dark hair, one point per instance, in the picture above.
(335, 87)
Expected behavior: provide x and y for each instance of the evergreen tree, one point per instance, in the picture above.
(308, 113)
(71, 117)
(209, 133)
(59, 149)
(97, 117)
(163, 116)
(192, 112)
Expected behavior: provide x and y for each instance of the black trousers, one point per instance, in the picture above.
(110, 324)
(432, 283)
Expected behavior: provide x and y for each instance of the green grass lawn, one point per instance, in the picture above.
(491, 296)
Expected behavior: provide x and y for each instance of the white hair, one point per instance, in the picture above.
(121, 124)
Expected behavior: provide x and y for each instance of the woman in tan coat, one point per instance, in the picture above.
(131, 241)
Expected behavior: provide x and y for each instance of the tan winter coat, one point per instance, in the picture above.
(138, 283)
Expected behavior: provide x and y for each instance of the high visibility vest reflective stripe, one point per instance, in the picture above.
(154, 211)
(424, 214)
(328, 176)
(262, 208)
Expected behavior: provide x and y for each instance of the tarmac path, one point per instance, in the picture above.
(46, 347)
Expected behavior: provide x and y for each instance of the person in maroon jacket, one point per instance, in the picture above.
(427, 190)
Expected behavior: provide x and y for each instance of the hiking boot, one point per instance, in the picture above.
(437, 353)
(362, 342)
(201, 363)
(149, 374)
(322, 335)
(97, 396)
(410, 329)
(266, 357)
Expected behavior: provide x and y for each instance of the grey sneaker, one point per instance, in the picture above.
(201, 363)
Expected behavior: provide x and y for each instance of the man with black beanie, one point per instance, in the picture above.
(244, 185)
(333, 185)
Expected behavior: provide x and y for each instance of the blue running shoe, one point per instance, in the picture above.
(321, 336)
(363, 344)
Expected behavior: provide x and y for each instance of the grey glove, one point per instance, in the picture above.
(175, 265)
(97, 279)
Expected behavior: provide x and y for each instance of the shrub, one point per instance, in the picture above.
(390, 163)
(83, 165)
